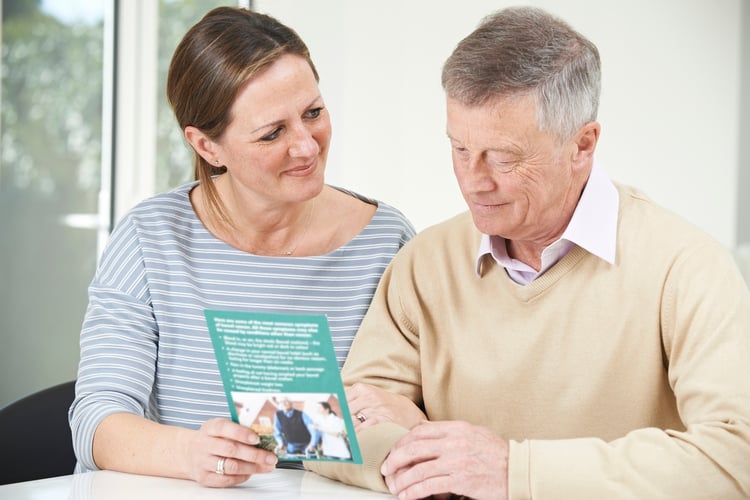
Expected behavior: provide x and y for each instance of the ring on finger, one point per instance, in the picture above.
(220, 466)
(361, 417)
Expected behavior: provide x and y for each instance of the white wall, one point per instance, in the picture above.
(669, 108)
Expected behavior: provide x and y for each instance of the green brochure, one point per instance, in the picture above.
(282, 380)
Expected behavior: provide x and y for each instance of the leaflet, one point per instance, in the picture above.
(282, 380)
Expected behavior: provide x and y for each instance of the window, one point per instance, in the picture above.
(50, 177)
(75, 100)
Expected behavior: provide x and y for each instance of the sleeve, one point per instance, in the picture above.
(277, 433)
(385, 330)
(312, 429)
(705, 327)
(117, 344)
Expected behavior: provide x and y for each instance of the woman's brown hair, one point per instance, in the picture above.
(227, 48)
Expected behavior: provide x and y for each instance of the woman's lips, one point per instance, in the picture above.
(303, 170)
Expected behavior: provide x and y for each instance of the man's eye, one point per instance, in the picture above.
(273, 135)
(502, 166)
(501, 162)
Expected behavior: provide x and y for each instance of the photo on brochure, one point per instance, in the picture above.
(296, 426)
(282, 381)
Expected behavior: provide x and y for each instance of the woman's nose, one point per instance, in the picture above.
(303, 143)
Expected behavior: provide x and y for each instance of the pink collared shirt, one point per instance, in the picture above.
(593, 227)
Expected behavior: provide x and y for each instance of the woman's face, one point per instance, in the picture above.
(276, 144)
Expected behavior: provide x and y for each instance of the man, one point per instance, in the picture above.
(565, 338)
(294, 430)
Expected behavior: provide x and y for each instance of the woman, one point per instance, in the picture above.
(258, 230)
(332, 431)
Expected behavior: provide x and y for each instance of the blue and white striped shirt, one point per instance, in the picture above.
(145, 347)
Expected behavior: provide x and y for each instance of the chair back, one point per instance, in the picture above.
(35, 437)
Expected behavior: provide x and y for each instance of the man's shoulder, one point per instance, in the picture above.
(644, 216)
(448, 243)
(460, 224)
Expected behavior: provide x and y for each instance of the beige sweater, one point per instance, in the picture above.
(610, 381)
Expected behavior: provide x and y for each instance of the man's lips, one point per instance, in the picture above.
(487, 206)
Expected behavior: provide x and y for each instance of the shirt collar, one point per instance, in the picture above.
(592, 227)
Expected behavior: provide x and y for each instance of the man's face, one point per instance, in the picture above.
(515, 178)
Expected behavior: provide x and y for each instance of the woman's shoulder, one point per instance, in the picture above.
(176, 198)
(175, 202)
(168, 209)
(385, 213)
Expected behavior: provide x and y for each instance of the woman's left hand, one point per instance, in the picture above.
(371, 405)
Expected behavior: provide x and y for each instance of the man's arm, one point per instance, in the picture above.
(278, 434)
(384, 354)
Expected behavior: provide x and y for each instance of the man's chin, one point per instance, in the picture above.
(487, 224)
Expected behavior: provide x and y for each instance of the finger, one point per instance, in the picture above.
(263, 461)
(362, 395)
(353, 391)
(408, 476)
(225, 428)
(432, 474)
(407, 452)
(242, 458)
(371, 416)
(359, 419)
(213, 480)
(432, 487)
(356, 397)
(217, 477)
(435, 430)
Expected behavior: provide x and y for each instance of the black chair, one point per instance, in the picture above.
(35, 438)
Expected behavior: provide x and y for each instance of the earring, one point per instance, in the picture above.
(217, 161)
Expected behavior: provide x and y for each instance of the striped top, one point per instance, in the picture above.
(145, 347)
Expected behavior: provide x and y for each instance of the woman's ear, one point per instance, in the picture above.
(202, 144)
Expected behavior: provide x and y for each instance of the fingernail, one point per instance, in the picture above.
(253, 439)
(271, 460)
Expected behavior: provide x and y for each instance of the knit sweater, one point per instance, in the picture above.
(609, 381)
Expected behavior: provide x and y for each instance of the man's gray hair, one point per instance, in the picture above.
(526, 51)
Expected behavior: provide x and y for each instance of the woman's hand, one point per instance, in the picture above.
(223, 453)
(371, 405)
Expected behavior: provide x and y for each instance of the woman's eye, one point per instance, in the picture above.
(313, 113)
(273, 135)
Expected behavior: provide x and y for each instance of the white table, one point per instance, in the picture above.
(283, 484)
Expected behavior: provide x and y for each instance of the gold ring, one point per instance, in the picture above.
(220, 466)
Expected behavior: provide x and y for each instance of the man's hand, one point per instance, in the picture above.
(371, 405)
(435, 458)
